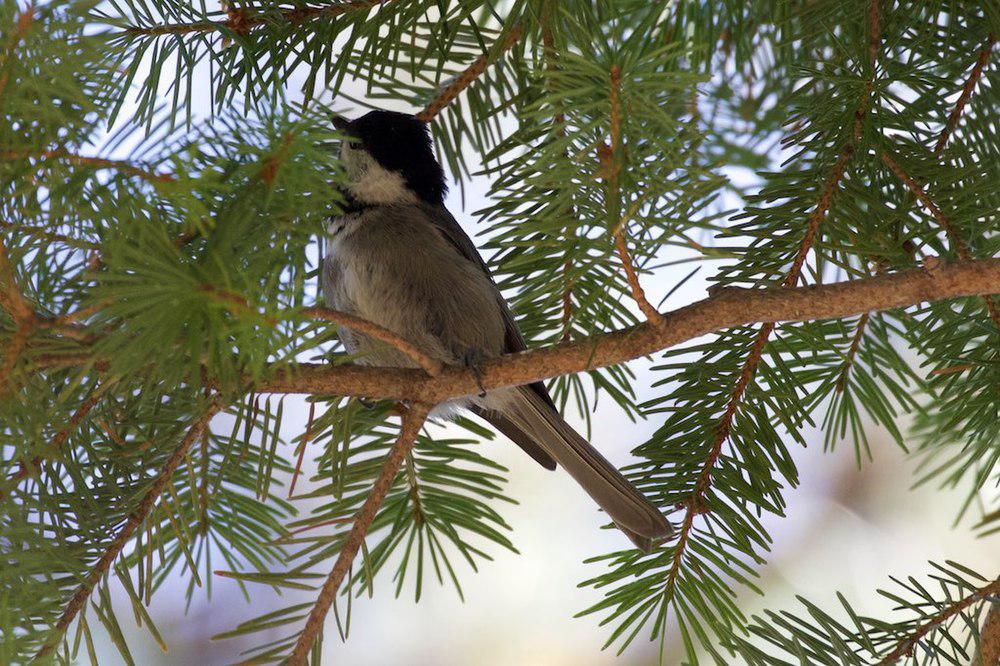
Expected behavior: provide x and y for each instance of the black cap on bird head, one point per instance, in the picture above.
(401, 143)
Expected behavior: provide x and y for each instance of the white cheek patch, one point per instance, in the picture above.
(368, 182)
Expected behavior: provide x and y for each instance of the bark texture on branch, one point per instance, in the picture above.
(726, 309)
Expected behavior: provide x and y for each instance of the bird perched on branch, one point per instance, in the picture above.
(398, 258)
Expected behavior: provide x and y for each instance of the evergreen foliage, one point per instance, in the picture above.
(156, 264)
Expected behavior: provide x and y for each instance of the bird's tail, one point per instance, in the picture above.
(628, 508)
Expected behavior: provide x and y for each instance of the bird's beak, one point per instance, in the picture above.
(339, 122)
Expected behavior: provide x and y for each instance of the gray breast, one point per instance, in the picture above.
(390, 265)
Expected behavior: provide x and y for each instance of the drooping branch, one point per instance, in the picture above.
(723, 429)
(726, 309)
(905, 646)
(413, 420)
(470, 74)
(135, 519)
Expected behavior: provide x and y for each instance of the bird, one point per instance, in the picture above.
(397, 257)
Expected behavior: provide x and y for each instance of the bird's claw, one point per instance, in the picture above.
(473, 359)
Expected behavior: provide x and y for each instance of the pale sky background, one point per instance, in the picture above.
(845, 531)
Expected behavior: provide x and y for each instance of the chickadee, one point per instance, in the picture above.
(398, 258)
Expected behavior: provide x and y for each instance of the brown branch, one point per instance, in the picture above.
(638, 294)
(89, 161)
(241, 22)
(431, 365)
(989, 638)
(949, 128)
(44, 234)
(963, 99)
(609, 154)
(961, 248)
(135, 519)
(412, 419)
(470, 74)
(728, 308)
(905, 647)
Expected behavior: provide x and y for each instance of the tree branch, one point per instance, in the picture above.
(728, 308)
(609, 155)
(25, 20)
(93, 162)
(470, 74)
(989, 638)
(63, 435)
(12, 301)
(431, 365)
(413, 420)
(970, 85)
(135, 519)
(905, 647)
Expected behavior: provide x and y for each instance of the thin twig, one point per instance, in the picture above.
(413, 420)
(963, 99)
(852, 352)
(470, 74)
(90, 161)
(961, 248)
(62, 435)
(431, 365)
(44, 234)
(559, 121)
(695, 504)
(135, 519)
(905, 647)
(610, 155)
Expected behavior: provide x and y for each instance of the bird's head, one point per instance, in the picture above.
(389, 159)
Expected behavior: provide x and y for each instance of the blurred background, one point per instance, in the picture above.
(847, 529)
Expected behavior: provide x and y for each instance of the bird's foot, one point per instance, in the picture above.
(473, 360)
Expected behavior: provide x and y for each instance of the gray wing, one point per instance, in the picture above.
(452, 231)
